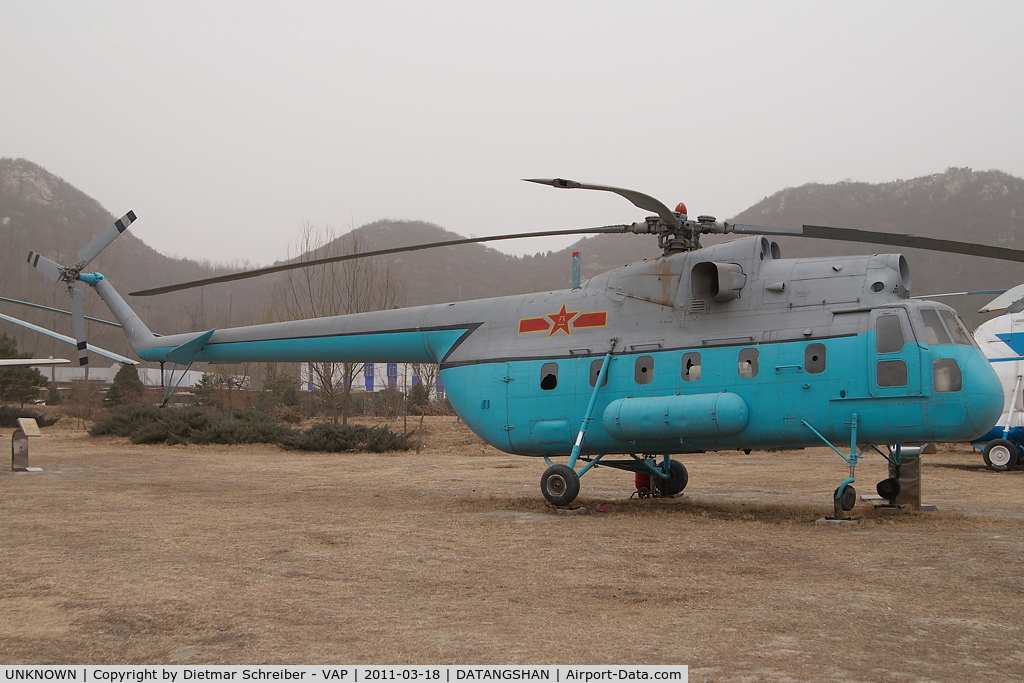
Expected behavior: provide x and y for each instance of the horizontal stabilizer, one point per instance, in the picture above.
(184, 354)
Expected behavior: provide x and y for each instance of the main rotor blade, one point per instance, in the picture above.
(31, 362)
(638, 199)
(78, 322)
(57, 310)
(889, 239)
(50, 269)
(975, 292)
(364, 254)
(64, 338)
(913, 242)
(1004, 301)
(103, 240)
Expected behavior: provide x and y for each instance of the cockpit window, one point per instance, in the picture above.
(935, 333)
(888, 334)
(956, 329)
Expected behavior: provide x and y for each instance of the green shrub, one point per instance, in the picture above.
(332, 438)
(9, 417)
(200, 425)
(193, 424)
(125, 419)
(126, 387)
(247, 425)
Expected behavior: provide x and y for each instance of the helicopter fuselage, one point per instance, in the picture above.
(727, 347)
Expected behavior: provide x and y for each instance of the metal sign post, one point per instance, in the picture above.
(27, 427)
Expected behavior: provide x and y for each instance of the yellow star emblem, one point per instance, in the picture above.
(561, 321)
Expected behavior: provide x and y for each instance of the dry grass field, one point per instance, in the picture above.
(121, 554)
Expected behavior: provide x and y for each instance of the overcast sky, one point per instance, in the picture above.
(225, 124)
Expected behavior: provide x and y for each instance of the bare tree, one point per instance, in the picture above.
(355, 286)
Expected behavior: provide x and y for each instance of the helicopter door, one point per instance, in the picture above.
(895, 356)
(541, 397)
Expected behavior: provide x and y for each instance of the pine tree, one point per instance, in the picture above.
(17, 385)
(127, 387)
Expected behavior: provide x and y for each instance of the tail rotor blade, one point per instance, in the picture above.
(78, 322)
(50, 269)
(103, 240)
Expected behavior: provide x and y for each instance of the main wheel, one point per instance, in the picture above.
(560, 485)
(849, 498)
(889, 488)
(1000, 455)
(678, 478)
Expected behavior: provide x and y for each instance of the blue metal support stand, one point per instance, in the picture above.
(170, 391)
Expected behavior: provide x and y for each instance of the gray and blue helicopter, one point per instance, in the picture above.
(723, 347)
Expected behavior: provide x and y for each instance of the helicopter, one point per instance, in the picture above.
(1002, 341)
(702, 348)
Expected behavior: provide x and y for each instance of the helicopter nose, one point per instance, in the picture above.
(984, 394)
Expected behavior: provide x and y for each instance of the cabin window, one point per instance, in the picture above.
(946, 375)
(956, 329)
(595, 372)
(644, 370)
(549, 376)
(748, 363)
(814, 358)
(934, 332)
(891, 373)
(691, 367)
(889, 336)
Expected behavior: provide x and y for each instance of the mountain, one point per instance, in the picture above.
(42, 212)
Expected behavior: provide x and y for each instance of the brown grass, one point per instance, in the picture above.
(121, 554)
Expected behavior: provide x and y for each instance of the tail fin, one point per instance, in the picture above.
(138, 334)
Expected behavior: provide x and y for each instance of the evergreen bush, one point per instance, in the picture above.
(9, 417)
(197, 424)
(126, 387)
(334, 438)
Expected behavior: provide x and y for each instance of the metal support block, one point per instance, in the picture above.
(27, 427)
(909, 474)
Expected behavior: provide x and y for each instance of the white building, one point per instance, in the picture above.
(150, 376)
(375, 377)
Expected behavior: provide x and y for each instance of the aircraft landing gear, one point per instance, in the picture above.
(1000, 455)
(845, 498)
(678, 478)
(560, 485)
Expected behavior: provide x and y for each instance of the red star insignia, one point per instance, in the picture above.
(561, 321)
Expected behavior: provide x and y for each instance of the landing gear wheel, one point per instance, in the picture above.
(1000, 455)
(560, 485)
(889, 488)
(678, 478)
(849, 498)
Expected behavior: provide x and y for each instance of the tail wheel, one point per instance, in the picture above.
(678, 478)
(1000, 455)
(560, 485)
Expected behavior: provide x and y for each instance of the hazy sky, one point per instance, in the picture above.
(225, 124)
